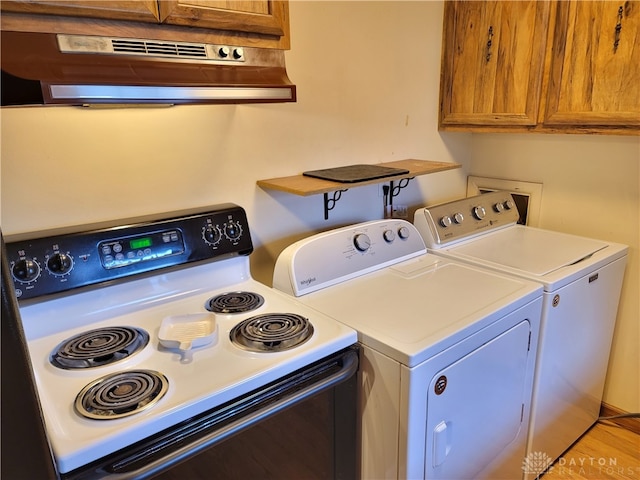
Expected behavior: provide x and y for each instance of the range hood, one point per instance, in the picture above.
(82, 69)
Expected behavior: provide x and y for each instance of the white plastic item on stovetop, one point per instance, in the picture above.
(188, 331)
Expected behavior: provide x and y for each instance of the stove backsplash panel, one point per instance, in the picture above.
(63, 260)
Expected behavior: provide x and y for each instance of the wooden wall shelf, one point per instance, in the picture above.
(304, 186)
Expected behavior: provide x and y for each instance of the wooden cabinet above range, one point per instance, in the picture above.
(256, 23)
(262, 16)
(541, 66)
(142, 11)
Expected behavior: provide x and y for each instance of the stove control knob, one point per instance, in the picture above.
(232, 230)
(403, 233)
(458, 218)
(26, 270)
(389, 236)
(479, 212)
(498, 207)
(211, 235)
(60, 264)
(238, 53)
(446, 221)
(362, 242)
(223, 52)
(508, 205)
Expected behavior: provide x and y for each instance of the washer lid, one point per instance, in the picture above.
(532, 251)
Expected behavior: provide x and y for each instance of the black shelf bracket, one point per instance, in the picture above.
(330, 203)
(394, 190)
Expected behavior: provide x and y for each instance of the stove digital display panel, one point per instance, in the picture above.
(140, 243)
(122, 252)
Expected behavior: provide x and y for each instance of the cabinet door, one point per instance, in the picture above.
(269, 17)
(492, 62)
(142, 10)
(595, 66)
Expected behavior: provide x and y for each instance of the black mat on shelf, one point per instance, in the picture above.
(355, 173)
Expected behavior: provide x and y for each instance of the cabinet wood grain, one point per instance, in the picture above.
(250, 23)
(566, 66)
(492, 62)
(259, 16)
(141, 11)
(595, 65)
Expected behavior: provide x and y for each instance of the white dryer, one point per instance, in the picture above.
(582, 280)
(448, 349)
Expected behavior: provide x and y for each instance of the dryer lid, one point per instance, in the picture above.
(415, 309)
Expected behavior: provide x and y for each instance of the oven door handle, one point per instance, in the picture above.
(348, 368)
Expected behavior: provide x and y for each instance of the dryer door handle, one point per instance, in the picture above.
(441, 443)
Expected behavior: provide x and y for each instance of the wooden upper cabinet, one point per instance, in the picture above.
(594, 76)
(258, 16)
(141, 11)
(493, 55)
(256, 23)
(567, 66)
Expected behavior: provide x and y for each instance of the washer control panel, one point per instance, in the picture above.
(54, 262)
(462, 219)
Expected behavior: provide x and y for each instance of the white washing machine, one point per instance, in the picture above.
(448, 349)
(582, 280)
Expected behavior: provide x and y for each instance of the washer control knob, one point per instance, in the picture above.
(446, 221)
(60, 264)
(479, 212)
(508, 205)
(389, 236)
(498, 207)
(26, 270)
(404, 232)
(458, 218)
(362, 242)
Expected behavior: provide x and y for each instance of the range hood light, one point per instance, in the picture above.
(97, 93)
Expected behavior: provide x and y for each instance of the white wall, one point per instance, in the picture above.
(591, 185)
(367, 76)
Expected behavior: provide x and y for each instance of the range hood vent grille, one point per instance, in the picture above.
(141, 47)
(148, 48)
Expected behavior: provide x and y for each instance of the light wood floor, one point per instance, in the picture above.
(605, 452)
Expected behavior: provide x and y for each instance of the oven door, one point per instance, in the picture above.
(301, 426)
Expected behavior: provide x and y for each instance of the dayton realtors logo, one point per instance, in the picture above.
(536, 463)
(539, 463)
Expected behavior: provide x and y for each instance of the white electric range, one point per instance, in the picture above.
(582, 280)
(447, 360)
(152, 336)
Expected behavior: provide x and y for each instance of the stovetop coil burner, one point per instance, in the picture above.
(235, 302)
(102, 346)
(121, 394)
(272, 332)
